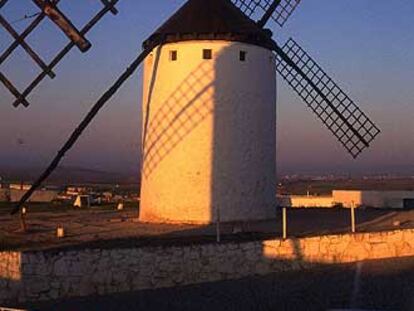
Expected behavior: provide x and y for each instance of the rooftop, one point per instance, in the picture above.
(210, 20)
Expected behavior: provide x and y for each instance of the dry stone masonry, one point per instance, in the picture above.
(49, 275)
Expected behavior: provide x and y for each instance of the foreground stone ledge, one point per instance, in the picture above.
(49, 275)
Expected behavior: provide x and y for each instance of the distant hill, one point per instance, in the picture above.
(356, 171)
(68, 175)
(325, 187)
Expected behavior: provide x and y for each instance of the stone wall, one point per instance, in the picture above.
(10, 265)
(10, 275)
(49, 275)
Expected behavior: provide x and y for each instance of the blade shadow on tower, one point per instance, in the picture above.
(350, 125)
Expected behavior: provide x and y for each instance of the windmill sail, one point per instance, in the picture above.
(281, 14)
(354, 130)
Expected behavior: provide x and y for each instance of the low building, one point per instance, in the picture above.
(107, 196)
(305, 201)
(376, 199)
(349, 198)
(21, 186)
(82, 201)
(75, 191)
(39, 196)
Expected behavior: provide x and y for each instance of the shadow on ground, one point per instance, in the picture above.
(105, 229)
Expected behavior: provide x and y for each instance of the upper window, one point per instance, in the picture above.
(173, 56)
(243, 56)
(207, 54)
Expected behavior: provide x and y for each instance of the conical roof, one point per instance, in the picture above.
(210, 20)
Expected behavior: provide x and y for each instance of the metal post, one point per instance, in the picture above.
(353, 217)
(218, 234)
(284, 220)
(23, 226)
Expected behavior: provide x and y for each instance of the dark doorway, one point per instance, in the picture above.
(408, 203)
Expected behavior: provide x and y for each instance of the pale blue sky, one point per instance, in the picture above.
(367, 46)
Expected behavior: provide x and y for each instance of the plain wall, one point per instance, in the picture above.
(378, 199)
(209, 134)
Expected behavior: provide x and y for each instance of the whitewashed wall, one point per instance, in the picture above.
(210, 133)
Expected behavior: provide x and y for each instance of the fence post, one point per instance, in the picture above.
(353, 217)
(23, 226)
(284, 222)
(218, 234)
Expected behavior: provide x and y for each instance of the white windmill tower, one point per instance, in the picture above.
(209, 110)
(209, 106)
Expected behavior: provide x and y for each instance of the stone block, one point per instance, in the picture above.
(61, 267)
(37, 285)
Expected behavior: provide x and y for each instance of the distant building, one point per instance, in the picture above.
(21, 186)
(39, 196)
(305, 201)
(107, 196)
(82, 201)
(349, 198)
(377, 199)
(75, 191)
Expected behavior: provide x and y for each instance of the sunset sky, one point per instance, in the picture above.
(367, 46)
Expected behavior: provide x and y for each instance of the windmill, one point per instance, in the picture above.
(209, 106)
(47, 8)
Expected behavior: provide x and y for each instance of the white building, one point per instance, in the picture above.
(378, 199)
(305, 201)
(20, 186)
(349, 198)
(209, 118)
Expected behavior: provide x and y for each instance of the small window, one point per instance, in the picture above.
(207, 54)
(173, 56)
(242, 56)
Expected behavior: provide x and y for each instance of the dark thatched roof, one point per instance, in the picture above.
(210, 20)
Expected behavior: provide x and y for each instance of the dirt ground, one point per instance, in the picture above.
(102, 228)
